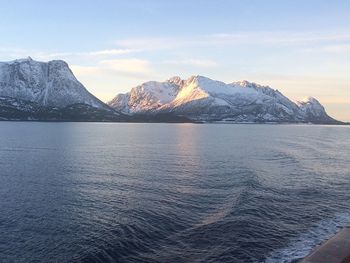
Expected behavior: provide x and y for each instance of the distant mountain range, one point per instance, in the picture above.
(202, 99)
(32, 90)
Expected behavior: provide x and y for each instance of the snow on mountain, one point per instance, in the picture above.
(48, 90)
(203, 99)
(312, 110)
(311, 106)
(146, 97)
(48, 84)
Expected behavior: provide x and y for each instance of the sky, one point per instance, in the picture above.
(301, 48)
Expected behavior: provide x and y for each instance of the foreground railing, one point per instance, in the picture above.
(334, 250)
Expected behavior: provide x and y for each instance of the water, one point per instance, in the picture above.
(89, 192)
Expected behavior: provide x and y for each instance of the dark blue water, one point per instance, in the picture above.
(88, 192)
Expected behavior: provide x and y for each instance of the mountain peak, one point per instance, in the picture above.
(310, 100)
(176, 80)
(204, 99)
(31, 61)
(20, 60)
(311, 104)
(197, 78)
(244, 83)
(313, 111)
(248, 84)
(46, 83)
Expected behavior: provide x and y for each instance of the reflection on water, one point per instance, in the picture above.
(90, 192)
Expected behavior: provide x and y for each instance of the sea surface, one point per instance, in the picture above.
(103, 192)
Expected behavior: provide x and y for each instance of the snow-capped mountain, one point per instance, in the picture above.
(203, 99)
(312, 110)
(45, 83)
(149, 96)
(33, 90)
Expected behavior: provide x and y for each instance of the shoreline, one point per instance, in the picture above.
(179, 122)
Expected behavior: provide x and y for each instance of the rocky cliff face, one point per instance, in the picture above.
(312, 111)
(48, 84)
(32, 90)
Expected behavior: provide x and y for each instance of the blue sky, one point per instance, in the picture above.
(301, 48)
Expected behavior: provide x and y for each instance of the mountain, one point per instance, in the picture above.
(148, 97)
(202, 99)
(48, 84)
(312, 111)
(33, 90)
(49, 91)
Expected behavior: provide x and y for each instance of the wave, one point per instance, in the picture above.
(301, 246)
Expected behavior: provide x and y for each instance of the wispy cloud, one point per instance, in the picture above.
(202, 63)
(14, 53)
(131, 67)
(336, 42)
(251, 38)
(84, 70)
(109, 52)
(332, 49)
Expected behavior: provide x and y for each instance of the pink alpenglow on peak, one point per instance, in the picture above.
(203, 99)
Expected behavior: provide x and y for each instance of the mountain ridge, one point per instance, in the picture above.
(203, 99)
(46, 83)
(49, 91)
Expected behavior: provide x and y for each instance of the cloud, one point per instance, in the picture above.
(109, 52)
(98, 54)
(7, 53)
(239, 38)
(280, 37)
(132, 67)
(334, 49)
(102, 62)
(203, 63)
(153, 43)
(84, 70)
(15, 53)
(333, 42)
